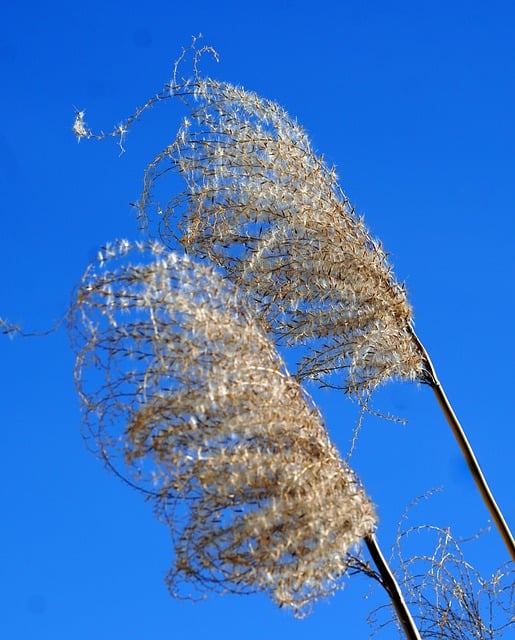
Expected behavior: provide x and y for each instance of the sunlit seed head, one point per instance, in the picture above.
(259, 203)
(184, 394)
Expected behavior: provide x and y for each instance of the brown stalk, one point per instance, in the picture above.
(467, 450)
(392, 588)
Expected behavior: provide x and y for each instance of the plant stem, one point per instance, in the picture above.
(467, 451)
(390, 584)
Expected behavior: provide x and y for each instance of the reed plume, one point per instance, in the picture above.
(186, 397)
(259, 203)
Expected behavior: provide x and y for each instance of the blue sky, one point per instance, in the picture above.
(413, 101)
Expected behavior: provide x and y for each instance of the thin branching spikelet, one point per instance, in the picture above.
(450, 599)
(186, 396)
(261, 204)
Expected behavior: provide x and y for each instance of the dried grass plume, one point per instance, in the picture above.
(186, 396)
(261, 204)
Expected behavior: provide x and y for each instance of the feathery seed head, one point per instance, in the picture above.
(185, 394)
(262, 205)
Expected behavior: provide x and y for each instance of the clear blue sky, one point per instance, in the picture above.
(414, 103)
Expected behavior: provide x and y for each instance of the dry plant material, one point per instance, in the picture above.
(261, 204)
(257, 201)
(186, 396)
(449, 598)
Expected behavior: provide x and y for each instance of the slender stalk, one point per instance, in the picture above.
(393, 589)
(468, 452)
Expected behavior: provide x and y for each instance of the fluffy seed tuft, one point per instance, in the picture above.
(259, 203)
(186, 396)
